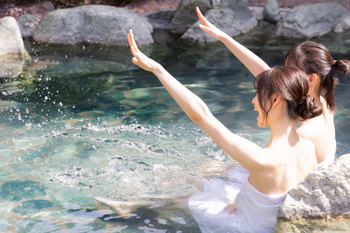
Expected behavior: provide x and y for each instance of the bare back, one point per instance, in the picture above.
(321, 131)
(286, 166)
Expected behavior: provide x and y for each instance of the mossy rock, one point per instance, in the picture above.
(339, 224)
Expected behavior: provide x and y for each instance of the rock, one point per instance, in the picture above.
(271, 12)
(312, 20)
(320, 201)
(10, 37)
(12, 51)
(27, 23)
(11, 65)
(96, 24)
(343, 25)
(232, 17)
(258, 12)
(161, 19)
(185, 16)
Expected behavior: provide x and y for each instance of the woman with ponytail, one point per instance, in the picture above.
(315, 60)
(281, 98)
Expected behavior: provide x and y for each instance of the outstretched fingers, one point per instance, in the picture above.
(133, 46)
(206, 26)
(139, 58)
(201, 18)
(134, 49)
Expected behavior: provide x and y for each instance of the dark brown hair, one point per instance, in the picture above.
(314, 58)
(292, 85)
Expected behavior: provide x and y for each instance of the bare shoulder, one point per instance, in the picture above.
(320, 126)
(307, 144)
(308, 150)
(312, 127)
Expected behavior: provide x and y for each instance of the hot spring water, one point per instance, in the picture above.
(76, 125)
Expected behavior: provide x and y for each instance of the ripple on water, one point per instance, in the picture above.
(3, 224)
(20, 190)
(32, 206)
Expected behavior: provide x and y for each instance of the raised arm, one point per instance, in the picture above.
(254, 63)
(242, 150)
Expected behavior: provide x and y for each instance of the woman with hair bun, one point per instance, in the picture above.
(315, 60)
(281, 98)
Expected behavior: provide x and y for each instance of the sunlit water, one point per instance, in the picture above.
(84, 128)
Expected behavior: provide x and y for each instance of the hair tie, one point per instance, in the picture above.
(331, 71)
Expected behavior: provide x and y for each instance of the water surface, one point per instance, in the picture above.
(83, 121)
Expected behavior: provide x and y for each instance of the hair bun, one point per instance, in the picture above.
(308, 109)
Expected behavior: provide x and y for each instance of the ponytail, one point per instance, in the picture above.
(342, 66)
(328, 85)
(314, 58)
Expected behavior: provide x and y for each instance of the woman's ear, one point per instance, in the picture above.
(276, 99)
(313, 78)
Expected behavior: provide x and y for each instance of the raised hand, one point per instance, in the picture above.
(139, 58)
(255, 64)
(209, 27)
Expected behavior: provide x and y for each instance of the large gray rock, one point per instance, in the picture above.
(27, 24)
(10, 37)
(12, 51)
(231, 16)
(321, 199)
(186, 15)
(312, 20)
(271, 12)
(97, 24)
(343, 25)
(161, 19)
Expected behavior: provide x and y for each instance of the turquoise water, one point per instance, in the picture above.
(82, 121)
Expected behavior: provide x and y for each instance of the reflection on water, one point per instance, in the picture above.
(84, 125)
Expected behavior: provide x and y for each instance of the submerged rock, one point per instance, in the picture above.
(96, 24)
(320, 202)
(313, 20)
(32, 206)
(19, 190)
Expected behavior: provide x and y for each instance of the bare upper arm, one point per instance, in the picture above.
(242, 150)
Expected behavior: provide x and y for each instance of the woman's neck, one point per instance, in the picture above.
(283, 130)
(317, 101)
(314, 93)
